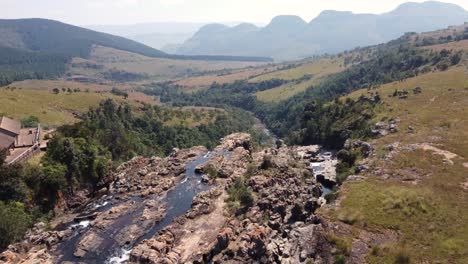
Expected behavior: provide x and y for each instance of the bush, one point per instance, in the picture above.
(119, 92)
(211, 171)
(12, 186)
(343, 170)
(346, 156)
(239, 192)
(251, 169)
(402, 257)
(30, 121)
(331, 197)
(340, 259)
(267, 162)
(14, 222)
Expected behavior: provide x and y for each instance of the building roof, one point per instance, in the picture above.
(27, 137)
(10, 125)
(6, 141)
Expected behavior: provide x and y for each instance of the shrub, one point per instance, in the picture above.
(346, 156)
(30, 121)
(239, 192)
(211, 171)
(251, 168)
(340, 259)
(343, 170)
(267, 162)
(343, 246)
(331, 197)
(14, 222)
(402, 257)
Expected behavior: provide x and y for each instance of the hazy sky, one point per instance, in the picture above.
(85, 12)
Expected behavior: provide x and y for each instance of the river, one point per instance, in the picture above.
(177, 201)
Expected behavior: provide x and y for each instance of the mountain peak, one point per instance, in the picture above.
(210, 29)
(433, 8)
(286, 21)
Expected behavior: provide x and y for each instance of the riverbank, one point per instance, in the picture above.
(159, 210)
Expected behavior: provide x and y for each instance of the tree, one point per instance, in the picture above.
(56, 90)
(456, 58)
(12, 187)
(14, 222)
(70, 159)
(30, 121)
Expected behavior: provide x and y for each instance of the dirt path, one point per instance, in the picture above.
(202, 231)
(448, 156)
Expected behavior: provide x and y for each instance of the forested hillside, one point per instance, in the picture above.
(394, 61)
(40, 48)
(17, 65)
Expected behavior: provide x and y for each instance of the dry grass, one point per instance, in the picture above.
(193, 116)
(51, 84)
(287, 90)
(456, 46)
(318, 68)
(318, 71)
(51, 109)
(207, 80)
(438, 114)
(430, 214)
(441, 33)
(155, 68)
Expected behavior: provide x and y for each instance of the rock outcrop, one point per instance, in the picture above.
(277, 225)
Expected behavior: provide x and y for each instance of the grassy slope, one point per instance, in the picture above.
(456, 46)
(106, 87)
(194, 116)
(35, 97)
(155, 68)
(51, 109)
(200, 82)
(422, 196)
(317, 69)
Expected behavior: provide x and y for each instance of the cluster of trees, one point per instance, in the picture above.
(67, 90)
(125, 134)
(429, 41)
(27, 194)
(123, 76)
(332, 123)
(17, 65)
(80, 156)
(119, 92)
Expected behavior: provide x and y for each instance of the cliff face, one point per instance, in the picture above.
(289, 37)
(253, 207)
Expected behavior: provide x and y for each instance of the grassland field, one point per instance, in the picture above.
(420, 190)
(153, 68)
(317, 70)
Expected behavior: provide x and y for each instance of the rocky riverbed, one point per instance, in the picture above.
(158, 210)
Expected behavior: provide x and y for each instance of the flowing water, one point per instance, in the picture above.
(318, 168)
(177, 202)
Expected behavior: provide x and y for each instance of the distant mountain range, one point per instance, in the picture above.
(40, 48)
(165, 36)
(290, 37)
(156, 35)
(42, 35)
(49, 36)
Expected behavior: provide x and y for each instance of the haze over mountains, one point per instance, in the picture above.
(165, 36)
(290, 37)
(156, 35)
